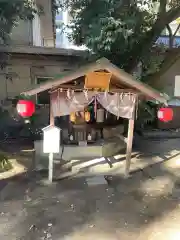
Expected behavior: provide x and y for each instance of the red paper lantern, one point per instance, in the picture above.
(25, 108)
(165, 114)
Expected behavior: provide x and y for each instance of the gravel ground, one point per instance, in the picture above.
(145, 206)
(138, 208)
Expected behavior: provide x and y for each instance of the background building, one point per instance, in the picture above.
(175, 30)
(36, 53)
(39, 31)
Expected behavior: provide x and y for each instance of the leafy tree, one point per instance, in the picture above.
(11, 11)
(124, 31)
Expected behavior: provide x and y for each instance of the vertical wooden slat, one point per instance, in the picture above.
(51, 112)
(129, 146)
(130, 139)
(51, 117)
(50, 168)
(50, 173)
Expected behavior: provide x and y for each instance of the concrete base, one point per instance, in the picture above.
(105, 148)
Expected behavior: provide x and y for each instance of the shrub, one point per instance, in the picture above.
(5, 164)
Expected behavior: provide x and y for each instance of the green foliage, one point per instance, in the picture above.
(146, 115)
(124, 31)
(11, 12)
(5, 164)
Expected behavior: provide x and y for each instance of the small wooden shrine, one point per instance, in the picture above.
(94, 98)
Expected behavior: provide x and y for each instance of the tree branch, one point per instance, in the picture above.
(147, 42)
(152, 36)
(172, 35)
(169, 30)
(162, 7)
(170, 58)
(177, 29)
(172, 14)
(171, 38)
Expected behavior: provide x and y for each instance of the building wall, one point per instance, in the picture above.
(166, 82)
(46, 22)
(22, 71)
(39, 31)
(22, 34)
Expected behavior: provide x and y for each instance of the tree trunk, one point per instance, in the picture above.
(151, 37)
(170, 58)
(138, 52)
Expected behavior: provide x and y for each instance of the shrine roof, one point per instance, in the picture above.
(103, 64)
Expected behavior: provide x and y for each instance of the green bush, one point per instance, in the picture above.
(146, 115)
(5, 164)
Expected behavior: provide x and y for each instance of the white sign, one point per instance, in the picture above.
(177, 86)
(51, 139)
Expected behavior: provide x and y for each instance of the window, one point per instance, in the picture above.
(61, 29)
(43, 97)
(59, 15)
(22, 33)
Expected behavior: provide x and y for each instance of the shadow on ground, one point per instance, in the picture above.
(71, 209)
(145, 206)
(146, 152)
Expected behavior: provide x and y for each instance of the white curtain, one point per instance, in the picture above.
(64, 103)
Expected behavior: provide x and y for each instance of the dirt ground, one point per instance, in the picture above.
(145, 206)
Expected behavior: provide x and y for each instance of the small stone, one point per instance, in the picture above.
(48, 236)
(49, 224)
(32, 227)
(28, 199)
(91, 226)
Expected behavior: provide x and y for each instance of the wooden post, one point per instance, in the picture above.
(129, 146)
(130, 140)
(51, 116)
(50, 167)
(50, 173)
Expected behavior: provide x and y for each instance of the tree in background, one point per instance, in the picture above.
(11, 11)
(124, 31)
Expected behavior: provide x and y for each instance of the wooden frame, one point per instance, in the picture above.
(129, 146)
(129, 137)
(79, 88)
(124, 83)
(102, 64)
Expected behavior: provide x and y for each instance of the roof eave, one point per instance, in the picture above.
(105, 64)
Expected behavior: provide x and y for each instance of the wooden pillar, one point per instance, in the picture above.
(50, 167)
(129, 146)
(130, 141)
(51, 113)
